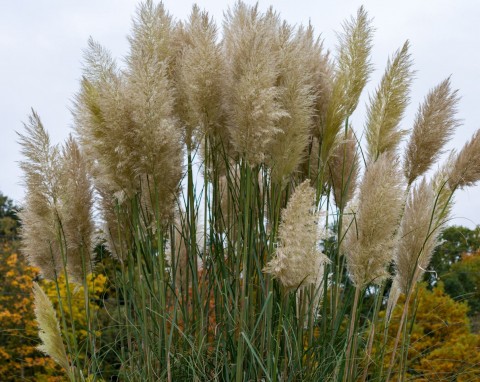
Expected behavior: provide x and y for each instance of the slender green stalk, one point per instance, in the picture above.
(350, 353)
(399, 333)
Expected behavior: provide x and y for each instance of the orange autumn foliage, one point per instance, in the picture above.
(442, 347)
(19, 358)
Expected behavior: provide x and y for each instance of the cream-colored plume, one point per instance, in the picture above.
(103, 122)
(435, 123)
(152, 41)
(157, 139)
(343, 168)
(40, 232)
(125, 119)
(298, 260)
(465, 171)
(199, 78)
(420, 228)
(50, 334)
(322, 70)
(370, 239)
(295, 53)
(352, 70)
(251, 94)
(57, 225)
(388, 105)
(76, 196)
(393, 296)
(426, 212)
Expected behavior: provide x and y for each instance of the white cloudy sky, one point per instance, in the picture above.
(41, 45)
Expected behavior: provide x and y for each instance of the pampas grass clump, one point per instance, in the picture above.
(253, 232)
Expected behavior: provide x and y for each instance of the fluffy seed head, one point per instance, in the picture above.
(152, 39)
(322, 70)
(465, 170)
(157, 140)
(103, 121)
(199, 77)
(50, 334)
(75, 211)
(435, 123)
(57, 224)
(295, 51)
(40, 216)
(352, 70)
(298, 261)
(392, 298)
(125, 119)
(418, 234)
(353, 60)
(343, 168)
(251, 97)
(388, 105)
(370, 240)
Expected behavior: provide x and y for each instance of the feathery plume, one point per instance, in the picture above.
(426, 213)
(157, 140)
(57, 222)
(393, 296)
(251, 97)
(103, 122)
(465, 170)
(420, 228)
(50, 334)
(343, 168)
(297, 98)
(353, 61)
(322, 70)
(298, 260)
(435, 123)
(199, 78)
(40, 221)
(152, 40)
(352, 70)
(125, 119)
(443, 191)
(76, 206)
(371, 237)
(388, 105)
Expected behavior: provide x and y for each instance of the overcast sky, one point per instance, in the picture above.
(41, 44)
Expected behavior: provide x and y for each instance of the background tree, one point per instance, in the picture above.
(19, 358)
(9, 222)
(442, 346)
(454, 241)
(462, 283)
